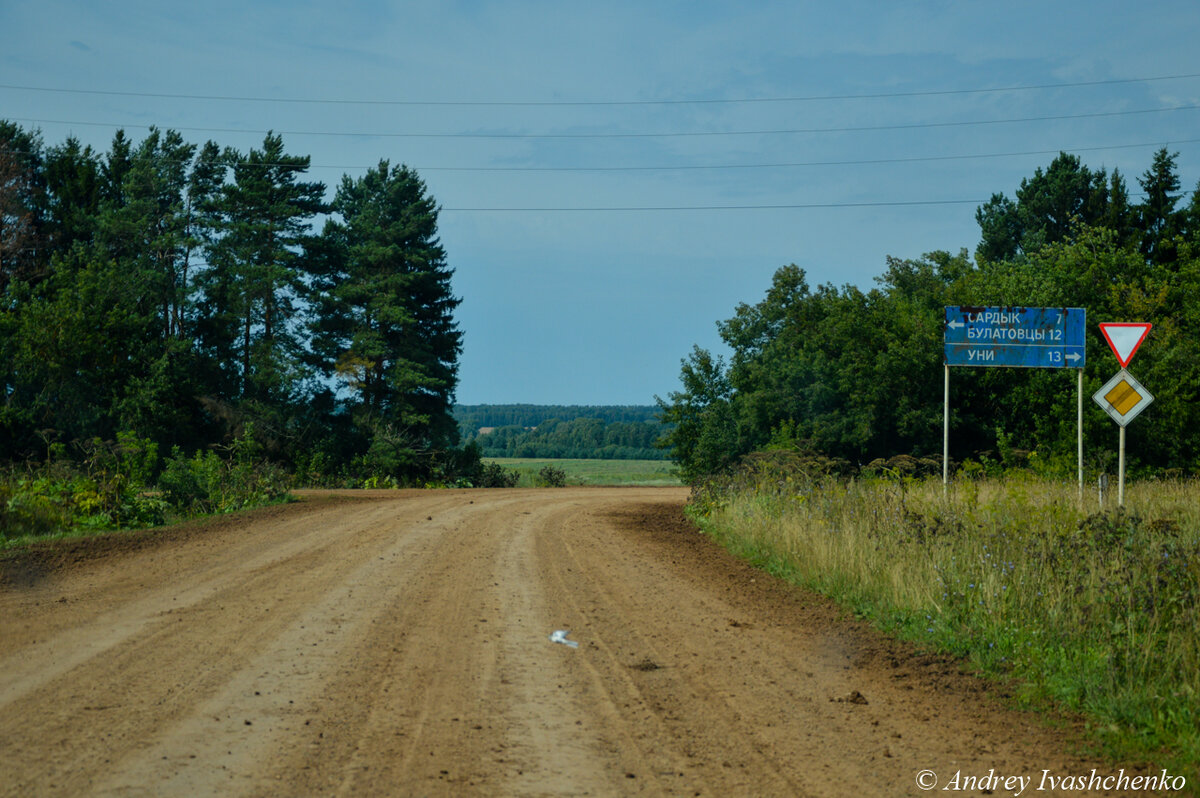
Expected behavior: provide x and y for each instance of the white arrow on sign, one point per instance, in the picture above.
(954, 325)
(1073, 356)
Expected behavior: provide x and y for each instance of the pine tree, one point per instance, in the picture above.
(1157, 216)
(253, 281)
(145, 226)
(22, 196)
(1047, 207)
(74, 187)
(386, 314)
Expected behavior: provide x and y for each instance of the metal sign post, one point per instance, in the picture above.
(1014, 337)
(1121, 469)
(946, 434)
(1079, 430)
(1123, 398)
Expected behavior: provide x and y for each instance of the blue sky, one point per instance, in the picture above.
(556, 136)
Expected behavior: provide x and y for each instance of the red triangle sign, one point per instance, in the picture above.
(1124, 338)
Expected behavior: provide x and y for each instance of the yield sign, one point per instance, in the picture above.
(1124, 338)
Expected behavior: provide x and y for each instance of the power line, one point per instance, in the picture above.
(720, 167)
(789, 164)
(694, 134)
(602, 103)
(781, 206)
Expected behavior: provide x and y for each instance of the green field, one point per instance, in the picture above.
(594, 472)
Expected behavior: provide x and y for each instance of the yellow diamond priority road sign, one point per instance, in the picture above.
(1123, 397)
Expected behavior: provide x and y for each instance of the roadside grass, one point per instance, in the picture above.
(593, 472)
(1097, 611)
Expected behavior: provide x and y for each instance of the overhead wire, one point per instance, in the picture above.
(769, 206)
(672, 134)
(603, 103)
(675, 134)
(726, 166)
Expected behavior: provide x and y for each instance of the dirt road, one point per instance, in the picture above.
(399, 645)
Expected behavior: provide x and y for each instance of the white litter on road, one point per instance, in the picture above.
(560, 636)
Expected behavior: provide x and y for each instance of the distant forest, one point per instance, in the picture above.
(620, 432)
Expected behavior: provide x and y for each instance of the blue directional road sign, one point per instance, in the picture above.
(1042, 338)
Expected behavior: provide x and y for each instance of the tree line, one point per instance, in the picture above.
(582, 438)
(471, 417)
(193, 295)
(854, 376)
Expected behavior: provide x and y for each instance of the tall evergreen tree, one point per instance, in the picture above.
(74, 187)
(253, 281)
(22, 197)
(1120, 216)
(1157, 217)
(1047, 206)
(144, 229)
(145, 225)
(386, 325)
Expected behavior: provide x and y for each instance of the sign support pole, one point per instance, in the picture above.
(1121, 470)
(946, 434)
(1079, 425)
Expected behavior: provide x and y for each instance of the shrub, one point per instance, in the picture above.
(494, 475)
(208, 483)
(552, 477)
(26, 512)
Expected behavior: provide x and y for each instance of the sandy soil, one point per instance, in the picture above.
(398, 644)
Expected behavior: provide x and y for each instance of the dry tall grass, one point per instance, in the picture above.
(1097, 609)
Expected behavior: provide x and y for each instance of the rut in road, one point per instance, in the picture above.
(399, 645)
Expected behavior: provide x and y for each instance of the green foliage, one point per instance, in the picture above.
(591, 471)
(109, 487)
(1048, 206)
(552, 477)
(857, 375)
(207, 483)
(177, 292)
(577, 438)
(29, 510)
(701, 437)
(494, 475)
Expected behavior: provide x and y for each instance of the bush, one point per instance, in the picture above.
(494, 475)
(58, 498)
(552, 477)
(207, 483)
(24, 512)
(189, 484)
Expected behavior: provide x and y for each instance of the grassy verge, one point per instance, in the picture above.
(593, 472)
(1094, 611)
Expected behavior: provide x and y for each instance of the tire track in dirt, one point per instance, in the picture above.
(399, 646)
(147, 669)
